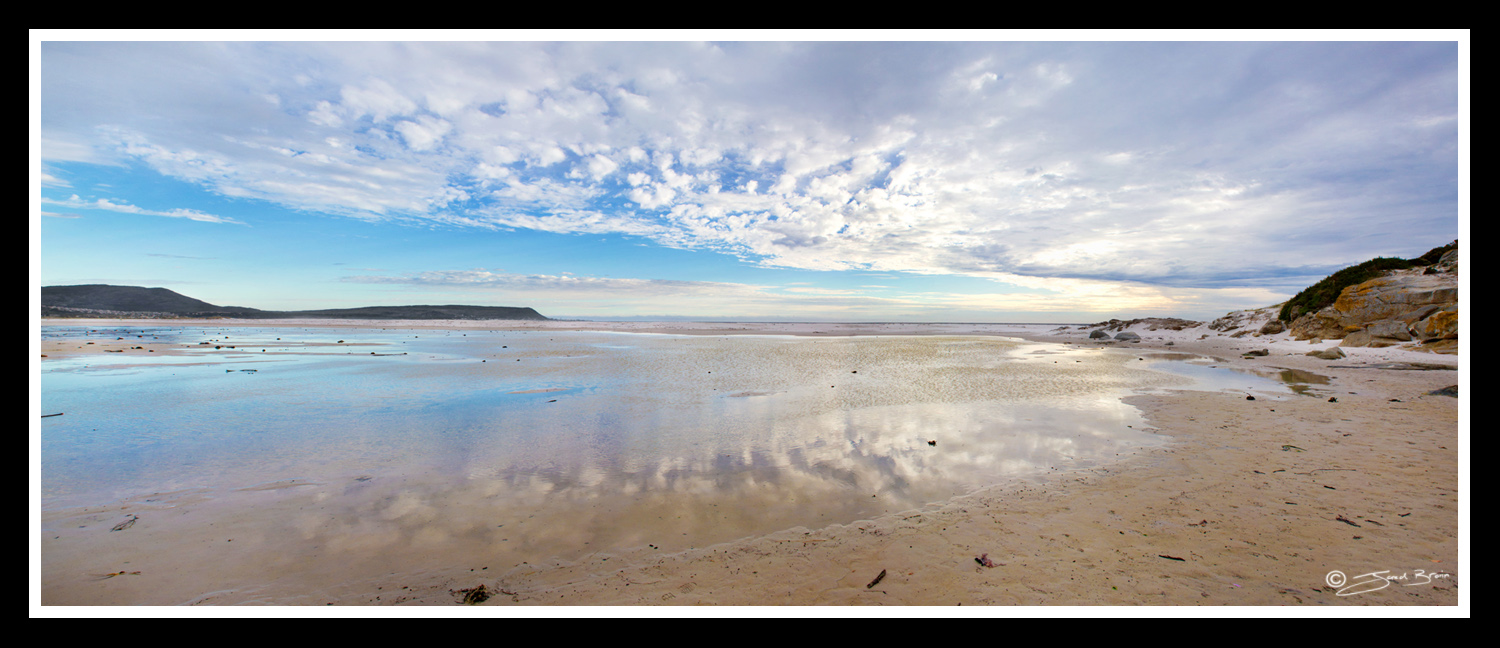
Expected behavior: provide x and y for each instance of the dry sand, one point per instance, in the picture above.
(1254, 503)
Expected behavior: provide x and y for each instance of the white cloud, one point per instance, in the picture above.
(126, 208)
(325, 115)
(600, 166)
(1054, 73)
(376, 98)
(652, 196)
(550, 194)
(423, 133)
(1172, 163)
(68, 147)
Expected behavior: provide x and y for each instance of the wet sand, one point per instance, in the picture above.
(1255, 502)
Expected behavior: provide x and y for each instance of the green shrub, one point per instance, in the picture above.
(1434, 255)
(1323, 293)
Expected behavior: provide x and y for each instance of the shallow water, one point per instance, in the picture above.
(336, 451)
(1207, 375)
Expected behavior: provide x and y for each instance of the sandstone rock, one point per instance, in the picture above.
(1098, 334)
(1333, 353)
(1393, 295)
(1151, 324)
(1363, 338)
(1440, 325)
(1252, 319)
(1323, 324)
(1272, 327)
(1127, 336)
(1419, 314)
(1390, 329)
(1449, 262)
(1356, 339)
(1401, 297)
(1446, 347)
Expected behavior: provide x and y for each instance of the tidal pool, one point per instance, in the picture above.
(1206, 374)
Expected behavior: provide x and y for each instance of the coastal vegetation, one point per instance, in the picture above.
(1323, 293)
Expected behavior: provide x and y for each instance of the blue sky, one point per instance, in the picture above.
(746, 177)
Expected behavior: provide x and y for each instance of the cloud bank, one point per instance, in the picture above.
(592, 296)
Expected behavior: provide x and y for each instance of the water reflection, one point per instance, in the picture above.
(832, 468)
(521, 446)
(1206, 374)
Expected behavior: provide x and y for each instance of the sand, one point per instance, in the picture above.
(1304, 501)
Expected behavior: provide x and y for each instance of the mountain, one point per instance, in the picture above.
(98, 300)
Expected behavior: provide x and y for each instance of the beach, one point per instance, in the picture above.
(1346, 492)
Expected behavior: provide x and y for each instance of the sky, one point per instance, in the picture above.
(955, 176)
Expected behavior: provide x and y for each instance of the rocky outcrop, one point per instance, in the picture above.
(1149, 323)
(1333, 353)
(1449, 261)
(1417, 305)
(1256, 322)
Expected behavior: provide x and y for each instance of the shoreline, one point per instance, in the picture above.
(1217, 517)
(1253, 523)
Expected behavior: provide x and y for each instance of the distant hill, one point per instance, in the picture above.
(99, 300)
(131, 299)
(416, 312)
